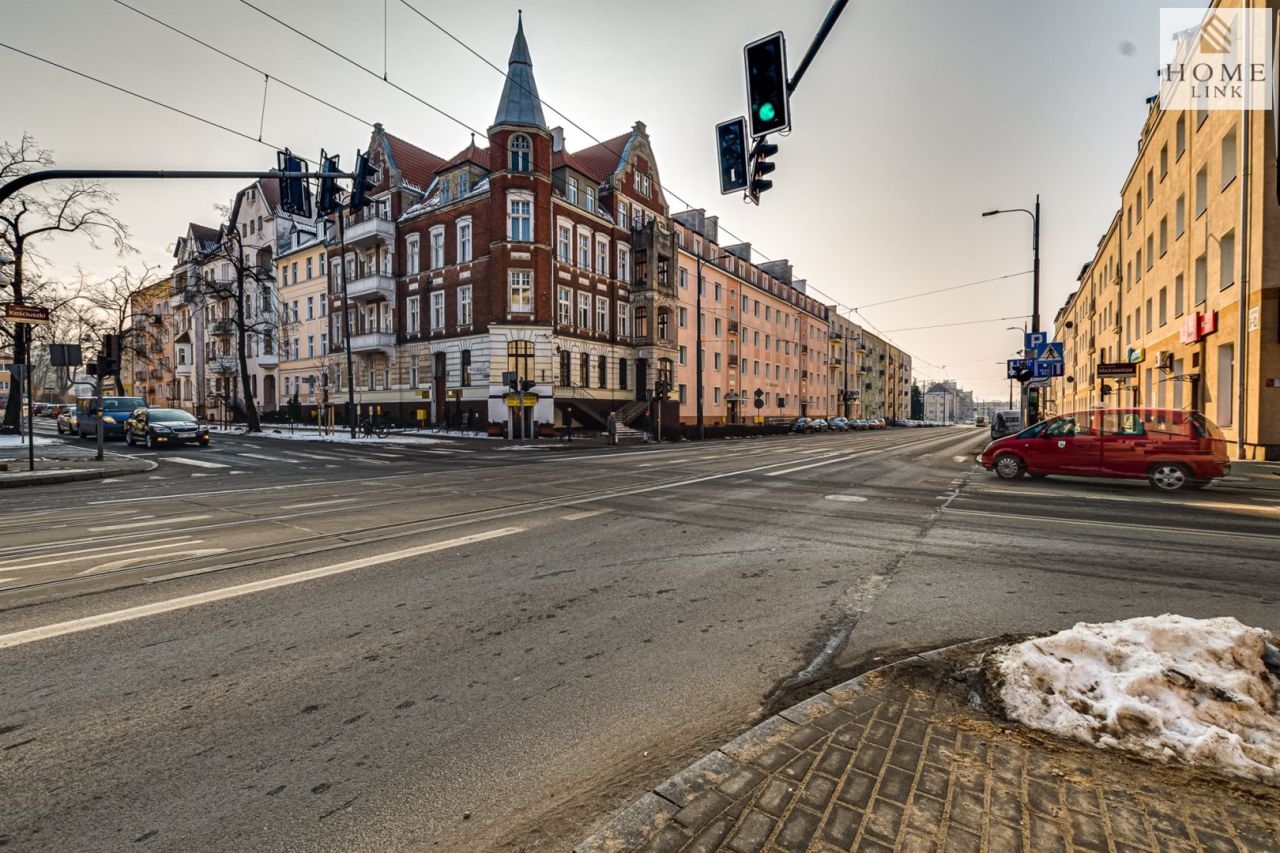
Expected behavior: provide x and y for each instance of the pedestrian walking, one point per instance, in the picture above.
(613, 428)
(568, 423)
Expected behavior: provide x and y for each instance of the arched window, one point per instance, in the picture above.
(520, 153)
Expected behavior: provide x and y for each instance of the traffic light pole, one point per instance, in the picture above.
(112, 174)
(828, 24)
(31, 404)
(346, 322)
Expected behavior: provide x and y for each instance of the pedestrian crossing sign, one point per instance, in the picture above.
(1050, 352)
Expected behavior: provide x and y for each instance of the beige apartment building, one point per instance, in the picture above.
(302, 287)
(1185, 283)
(760, 330)
(147, 348)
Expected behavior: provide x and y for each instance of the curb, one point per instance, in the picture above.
(49, 478)
(644, 818)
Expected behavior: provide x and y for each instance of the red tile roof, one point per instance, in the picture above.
(600, 161)
(270, 188)
(472, 153)
(416, 164)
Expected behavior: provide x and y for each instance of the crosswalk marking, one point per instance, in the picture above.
(578, 516)
(269, 458)
(386, 455)
(823, 462)
(199, 463)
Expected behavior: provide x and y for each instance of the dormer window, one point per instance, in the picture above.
(571, 190)
(446, 187)
(590, 201)
(520, 153)
(464, 183)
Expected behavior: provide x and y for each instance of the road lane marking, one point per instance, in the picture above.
(88, 554)
(199, 463)
(6, 580)
(151, 523)
(386, 455)
(590, 513)
(269, 458)
(120, 564)
(844, 458)
(310, 455)
(853, 499)
(310, 504)
(45, 632)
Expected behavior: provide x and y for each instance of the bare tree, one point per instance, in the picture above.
(110, 307)
(42, 212)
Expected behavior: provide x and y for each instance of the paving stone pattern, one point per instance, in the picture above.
(901, 766)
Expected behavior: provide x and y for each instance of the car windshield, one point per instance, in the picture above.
(117, 404)
(170, 415)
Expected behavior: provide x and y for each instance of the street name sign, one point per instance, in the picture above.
(33, 314)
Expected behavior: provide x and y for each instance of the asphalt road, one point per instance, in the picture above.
(494, 649)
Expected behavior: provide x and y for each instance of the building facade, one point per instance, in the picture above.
(946, 403)
(302, 289)
(1185, 283)
(147, 348)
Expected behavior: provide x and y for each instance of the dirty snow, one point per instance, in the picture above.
(8, 442)
(1164, 687)
(344, 437)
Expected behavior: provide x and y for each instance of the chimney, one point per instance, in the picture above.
(557, 139)
(711, 229)
(799, 284)
(740, 250)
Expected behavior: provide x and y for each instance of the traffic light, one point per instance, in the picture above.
(526, 385)
(731, 142)
(661, 389)
(327, 198)
(92, 369)
(109, 357)
(363, 183)
(767, 94)
(760, 166)
(295, 193)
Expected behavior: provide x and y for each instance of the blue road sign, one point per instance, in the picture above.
(1050, 351)
(1013, 366)
(1045, 369)
(1035, 340)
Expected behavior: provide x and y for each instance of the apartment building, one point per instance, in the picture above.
(518, 258)
(302, 290)
(760, 331)
(147, 347)
(1185, 285)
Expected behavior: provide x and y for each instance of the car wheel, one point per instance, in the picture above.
(204, 443)
(151, 441)
(1009, 467)
(1169, 476)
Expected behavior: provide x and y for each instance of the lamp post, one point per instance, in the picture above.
(698, 342)
(1023, 352)
(1035, 257)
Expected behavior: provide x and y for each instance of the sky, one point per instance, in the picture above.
(916, 116)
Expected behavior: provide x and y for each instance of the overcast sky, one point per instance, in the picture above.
(916, 116)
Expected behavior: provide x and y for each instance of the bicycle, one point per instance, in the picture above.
(374, 428)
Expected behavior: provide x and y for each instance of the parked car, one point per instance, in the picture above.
(156, 427)
(840, 424)
(67, 421)
(115, 411)
(801, 425)
(818, 425)
(876, 423)
(1169, 448)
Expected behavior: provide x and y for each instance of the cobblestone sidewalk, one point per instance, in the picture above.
(900, 760)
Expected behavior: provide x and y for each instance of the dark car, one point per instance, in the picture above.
(840, 424)
(115, 411)
(801, 425)
(162, 427)
(1169, 448)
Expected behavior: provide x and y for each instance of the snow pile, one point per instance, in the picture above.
(1202, 691)
(344, 437)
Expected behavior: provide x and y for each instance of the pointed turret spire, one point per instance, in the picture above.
(520, 103)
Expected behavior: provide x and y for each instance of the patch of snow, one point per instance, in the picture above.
(345, 438)
(7, 441)
(1201, 691)
(525, 447)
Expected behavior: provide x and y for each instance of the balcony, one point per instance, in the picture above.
(368, 228)
(223, 364)
(183, 369)
(733, 361)
(372, 341)
(223, 327)
(268, 359)
(372, 285)
(733, 327)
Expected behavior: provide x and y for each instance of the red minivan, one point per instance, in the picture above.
(1172, 449)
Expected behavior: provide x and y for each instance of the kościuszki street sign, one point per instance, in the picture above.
(17, 313)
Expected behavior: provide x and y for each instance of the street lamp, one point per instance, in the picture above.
(698, 341)
(1035, 257)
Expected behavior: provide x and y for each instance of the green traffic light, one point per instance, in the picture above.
(766, 112)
